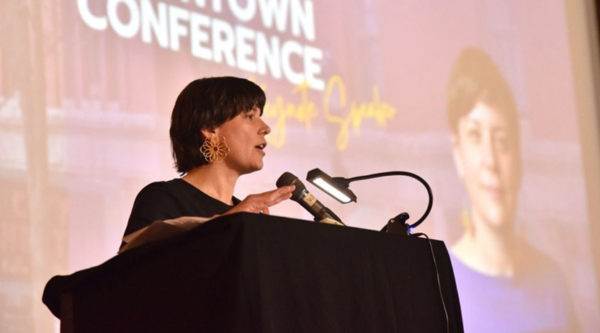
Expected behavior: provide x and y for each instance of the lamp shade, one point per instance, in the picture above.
(335, 187)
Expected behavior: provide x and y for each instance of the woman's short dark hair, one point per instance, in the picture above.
(475, 77)
(206, 104)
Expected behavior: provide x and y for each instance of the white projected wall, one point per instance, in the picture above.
(353, 87)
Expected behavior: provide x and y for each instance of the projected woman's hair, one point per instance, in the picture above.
(505, 285)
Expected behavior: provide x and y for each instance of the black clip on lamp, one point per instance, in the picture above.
(338, 188)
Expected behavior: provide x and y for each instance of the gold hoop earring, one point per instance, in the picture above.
(214, 149)
(465, 221)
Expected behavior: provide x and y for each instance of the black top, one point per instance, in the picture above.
(169, 200)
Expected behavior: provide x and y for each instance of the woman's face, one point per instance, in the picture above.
(245, 136)
(487, 157)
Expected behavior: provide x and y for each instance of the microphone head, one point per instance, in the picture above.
(288, 178)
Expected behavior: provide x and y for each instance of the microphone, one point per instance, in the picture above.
(307, 200)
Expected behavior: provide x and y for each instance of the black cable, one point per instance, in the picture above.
(437, 273)
(401, 173)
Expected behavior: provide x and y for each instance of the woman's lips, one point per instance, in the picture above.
(261, 150)
(493, 191)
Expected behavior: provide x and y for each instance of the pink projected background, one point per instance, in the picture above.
(353, 88)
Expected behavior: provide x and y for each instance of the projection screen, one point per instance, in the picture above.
(353, 87)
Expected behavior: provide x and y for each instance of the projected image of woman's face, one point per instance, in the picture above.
(488, 161)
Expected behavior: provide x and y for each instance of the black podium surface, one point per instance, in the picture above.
(257, 273)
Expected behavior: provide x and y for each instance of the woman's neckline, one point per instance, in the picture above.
(204, 193)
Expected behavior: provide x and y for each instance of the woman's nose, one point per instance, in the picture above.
(490, 157)
(265, 129)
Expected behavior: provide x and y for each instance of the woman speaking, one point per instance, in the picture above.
(217, 135)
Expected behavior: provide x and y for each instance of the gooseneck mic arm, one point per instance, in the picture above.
(401, 217)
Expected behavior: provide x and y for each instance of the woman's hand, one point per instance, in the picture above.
(260, 203)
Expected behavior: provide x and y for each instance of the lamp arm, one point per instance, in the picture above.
(402, 173)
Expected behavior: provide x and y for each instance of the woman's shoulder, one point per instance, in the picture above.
(164, 185)
(169, 186)
(161, 192)
(179, 191)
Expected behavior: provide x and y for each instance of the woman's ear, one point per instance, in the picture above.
(208, 132)
(519, 169)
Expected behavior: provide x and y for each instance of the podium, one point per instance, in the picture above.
(257, 273)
